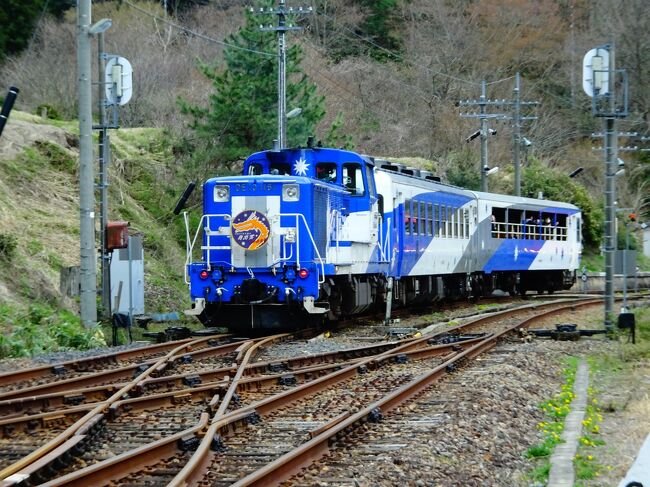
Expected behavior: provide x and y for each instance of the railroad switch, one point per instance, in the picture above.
(59, 370)
(451, 338)
(287, 380)
(140, 369)
(236, 399)
(217, 444)
(375, 416)
(401, 358)
(74, 399)
(277, 367)
(158, 336)
(203, 332)
(192, 380)
(178, 332)
(188, 443)
(566, 332)
(253, 418)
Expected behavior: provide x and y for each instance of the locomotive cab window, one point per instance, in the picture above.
(254, 169)
(326, 172)
(370, 178)
(280, 168)
(353, 179)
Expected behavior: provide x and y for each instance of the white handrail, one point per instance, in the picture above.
(297, 216)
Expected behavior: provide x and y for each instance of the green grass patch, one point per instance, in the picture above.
(555, 409)
(41, 329)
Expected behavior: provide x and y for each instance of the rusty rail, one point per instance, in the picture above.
(21, 470)
(292, 462)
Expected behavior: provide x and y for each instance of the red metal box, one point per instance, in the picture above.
(117, 235)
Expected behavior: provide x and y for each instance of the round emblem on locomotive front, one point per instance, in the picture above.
(250, 229)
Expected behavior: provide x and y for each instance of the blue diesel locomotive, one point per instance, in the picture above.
(308, 234)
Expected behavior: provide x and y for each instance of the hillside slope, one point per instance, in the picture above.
(39, 209)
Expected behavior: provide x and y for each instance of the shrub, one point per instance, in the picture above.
(44, 329)
(8, 244)
(51, 113)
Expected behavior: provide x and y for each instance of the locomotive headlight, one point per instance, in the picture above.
(221, 193)
(290, 192)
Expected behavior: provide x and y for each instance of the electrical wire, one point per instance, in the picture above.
(194, 33)
(403, 58)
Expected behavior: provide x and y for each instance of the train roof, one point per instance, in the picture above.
(423, 182)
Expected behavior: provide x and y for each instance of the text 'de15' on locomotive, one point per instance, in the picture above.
(308, 234)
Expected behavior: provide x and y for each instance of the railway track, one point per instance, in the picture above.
(247, 403)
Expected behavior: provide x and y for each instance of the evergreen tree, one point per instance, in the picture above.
(242, 114)
(18, 19)
(380, 26)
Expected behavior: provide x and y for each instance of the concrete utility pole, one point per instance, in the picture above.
(484, 131)
(611, 155)
(104, 158)
(282, 11)
(516, 136)
(88, 266)
(610, 102)
(517, 118)
(484, 136)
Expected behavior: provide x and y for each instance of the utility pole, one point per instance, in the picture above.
(282, 11)
(483, 102)
(88, 268)
(611, 154)
(599, 82)
(484, 136)
(516, 136)
(104, 159)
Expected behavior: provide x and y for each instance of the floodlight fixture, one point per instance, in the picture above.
(294, 113)
(473, 136)
(100, 26)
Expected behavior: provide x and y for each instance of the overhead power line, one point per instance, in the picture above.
(405, 59)
(194, 33)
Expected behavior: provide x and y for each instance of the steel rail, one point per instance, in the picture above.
(129, 462)
(292, 462)
(244, 384)
(144, 453)
(201, 458)
(113, 375)
(24, 468)
(13, 406)
(260, 405)
(85, 363)
(194, 469)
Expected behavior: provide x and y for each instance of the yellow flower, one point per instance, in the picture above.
(589, 457)
(594, 400)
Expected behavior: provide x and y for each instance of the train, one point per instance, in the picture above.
(311, 234)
